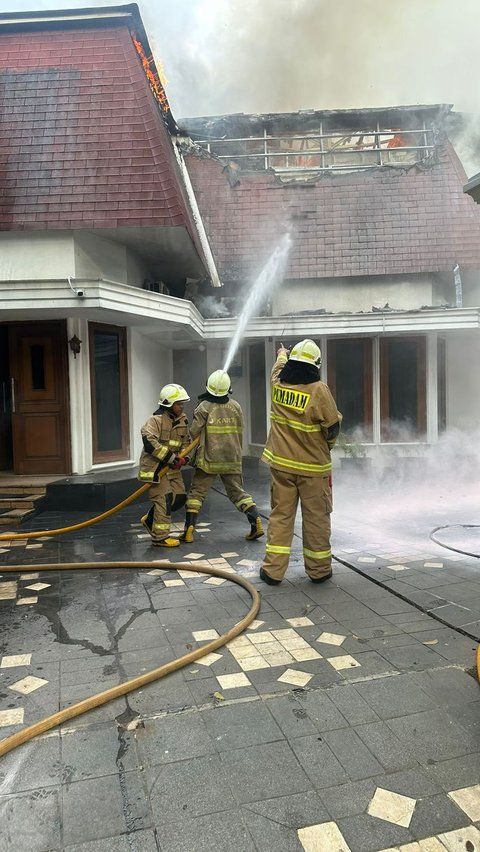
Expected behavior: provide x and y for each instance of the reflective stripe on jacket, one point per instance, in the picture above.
(220, 427)
(164, 436)
(299, 421)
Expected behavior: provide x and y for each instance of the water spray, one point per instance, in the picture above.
(269, 277)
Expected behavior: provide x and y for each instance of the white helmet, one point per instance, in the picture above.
(172, 393)
(306, 351)
(218, 383)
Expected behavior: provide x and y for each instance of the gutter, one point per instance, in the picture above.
(197, 218)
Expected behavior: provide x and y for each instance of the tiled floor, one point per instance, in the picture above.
(343, 718)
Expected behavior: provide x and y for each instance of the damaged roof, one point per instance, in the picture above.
(244, 124)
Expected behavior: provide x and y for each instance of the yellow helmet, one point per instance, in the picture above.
(172, 393)
(306, 351)
(218, 383)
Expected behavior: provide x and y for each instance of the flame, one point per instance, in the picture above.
(152, 76)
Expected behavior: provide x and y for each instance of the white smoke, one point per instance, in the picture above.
(226, 56)
(211, 308)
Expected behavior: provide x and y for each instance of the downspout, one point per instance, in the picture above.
(207, 252)
(458, 286)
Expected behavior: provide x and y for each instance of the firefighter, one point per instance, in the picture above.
(303, 429)
(218, 421)
(164, 436)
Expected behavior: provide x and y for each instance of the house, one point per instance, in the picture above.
(118, 226)
(384, 270)
(98, 232)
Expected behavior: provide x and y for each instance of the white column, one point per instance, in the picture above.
(80, 402)
(432, 390)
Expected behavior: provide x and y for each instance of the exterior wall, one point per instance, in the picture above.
(353, 294)
(41, 255)
(150, 368)
(463, 381)
(98, 257)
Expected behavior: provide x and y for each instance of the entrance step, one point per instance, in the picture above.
(17, 503)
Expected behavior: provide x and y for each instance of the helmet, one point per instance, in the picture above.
(172, 393)
(218, 383)
(307, 351)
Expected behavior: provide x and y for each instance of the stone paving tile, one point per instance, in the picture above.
(435, 814)
(113, 804)
(241, 725)
(318, 761)
(92, 753)
(31, 823)
(138, 841)
(365, 833)
(36, 766)
(226, 831)
(176, 737)
(434, 735)
(271, 769)
(187, 789)
(395, 696)
(392, 753)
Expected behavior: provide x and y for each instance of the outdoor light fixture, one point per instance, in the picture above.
(75, 345)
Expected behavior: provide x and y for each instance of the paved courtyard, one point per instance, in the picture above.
(345, 717)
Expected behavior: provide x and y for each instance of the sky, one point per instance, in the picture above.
(226, 56)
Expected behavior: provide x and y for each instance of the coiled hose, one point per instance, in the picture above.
(9, 743)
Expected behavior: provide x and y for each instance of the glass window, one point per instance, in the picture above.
(109, 393)
(258, 392)
(350, 380)
(402, 389)
(38, 366)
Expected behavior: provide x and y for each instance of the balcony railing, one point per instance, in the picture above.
(324, 152)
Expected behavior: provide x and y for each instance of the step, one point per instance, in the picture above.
(21, 489)
(19, 501)
(14, 517)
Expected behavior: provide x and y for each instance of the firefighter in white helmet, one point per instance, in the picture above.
(304, 424)
(164, 435)
(218, 420)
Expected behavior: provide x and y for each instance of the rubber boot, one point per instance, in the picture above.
(256, 529)
(166, 542)
(190, 521)
(147, 520)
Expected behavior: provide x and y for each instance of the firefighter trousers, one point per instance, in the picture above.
(165, 495)
(315, 495)
(233, 482)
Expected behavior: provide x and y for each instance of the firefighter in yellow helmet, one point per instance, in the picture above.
(164, 435)
(304, 425)
(218, 420)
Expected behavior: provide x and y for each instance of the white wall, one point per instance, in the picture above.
(38, 255)
(353, 294)
(99, 257)
(463, 381)
(150, 367)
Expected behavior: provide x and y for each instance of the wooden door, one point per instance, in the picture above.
(39, 398)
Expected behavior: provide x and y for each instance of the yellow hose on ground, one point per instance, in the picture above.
(98, 518)
(15, 740)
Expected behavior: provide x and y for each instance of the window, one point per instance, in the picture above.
(402, 389)
(258, 390)
(350, 380)
(109, 390)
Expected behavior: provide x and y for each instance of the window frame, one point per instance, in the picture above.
(123, 452)
(421, 343)
(367, 343)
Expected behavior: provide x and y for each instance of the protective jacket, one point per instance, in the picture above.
(304, 423)
(220, 426)
(164, 437)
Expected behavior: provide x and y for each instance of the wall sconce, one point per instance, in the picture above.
(75, 345)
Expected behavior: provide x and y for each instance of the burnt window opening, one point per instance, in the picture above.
(324, 149)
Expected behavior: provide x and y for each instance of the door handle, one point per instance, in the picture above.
(12, 386)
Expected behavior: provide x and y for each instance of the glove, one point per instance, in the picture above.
(178, 463)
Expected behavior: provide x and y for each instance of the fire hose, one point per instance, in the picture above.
(44, 725)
